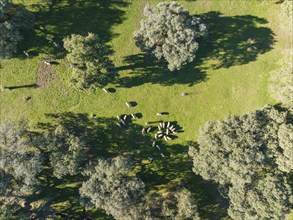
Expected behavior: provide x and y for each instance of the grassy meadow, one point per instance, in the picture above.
(228, 76)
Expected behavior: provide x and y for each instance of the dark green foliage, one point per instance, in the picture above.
(13, 20)
(239, 149)
(12, 211)
(20, 165)
(239, 152)
(93, 67)
(268, 198)
(179, 205)
(175, 205)
(20, 160)
(285, 157)
(112, 187)
(66, 152)
(5, 213)
(170, 33)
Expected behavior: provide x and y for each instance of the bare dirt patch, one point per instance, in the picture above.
(46, 75)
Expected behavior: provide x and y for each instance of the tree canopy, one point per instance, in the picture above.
(112, 187)
(66, 152)
(239, 149)
(172, 205)
(169, 32)
(20, 162)
(284, 157)
(241, 152)
(13, 20)
(179, 205)
(92, 67)
(268, 198)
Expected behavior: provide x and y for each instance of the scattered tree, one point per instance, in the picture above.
(20, 162)
(268, 198)
(66, 152)
(92, 67)
(239, 149)
(13, 20)
(111, 186)
(170, 33)
(242, 154)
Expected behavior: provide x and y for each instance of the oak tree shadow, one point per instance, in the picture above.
(177, 168)
(60, 18)
(102, 135)
(145, 69)
(233, 40)
(236, 40)
(106, 139)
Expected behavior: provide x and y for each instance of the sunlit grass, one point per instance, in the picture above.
(237, 89)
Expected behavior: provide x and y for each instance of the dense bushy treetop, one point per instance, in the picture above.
(112, 187)
(284, 157)
(173, 205)
(66, 152)
(20, 160)
(170, 33)
(13, 20)
(268, 198)
(179, 205)
(239, 149)
(241, 153)
(93, 68)
(110, 184)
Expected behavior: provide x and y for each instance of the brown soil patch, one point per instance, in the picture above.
(46, 75)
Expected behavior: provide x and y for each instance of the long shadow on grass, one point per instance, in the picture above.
(105, 139)
(60, 18)
(147, 70)
(21, 87)
(233, 40)
(177, 168)
(237, 40)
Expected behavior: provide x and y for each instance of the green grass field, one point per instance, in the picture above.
(228, 77)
